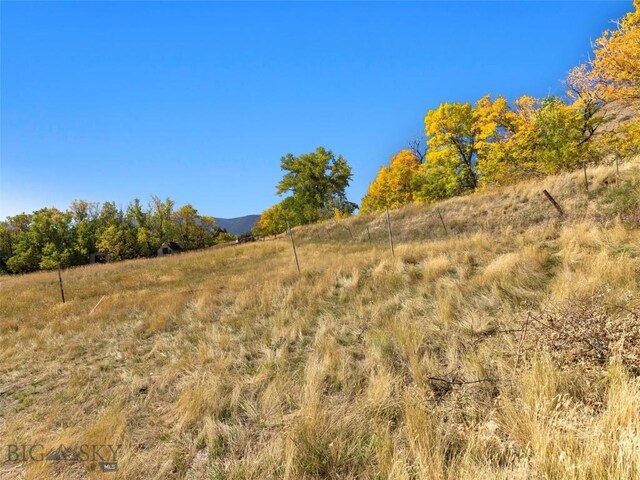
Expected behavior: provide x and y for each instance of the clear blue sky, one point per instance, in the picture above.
(198, 101)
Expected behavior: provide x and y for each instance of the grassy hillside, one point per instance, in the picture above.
(507, 348)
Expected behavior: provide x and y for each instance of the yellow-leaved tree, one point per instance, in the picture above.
(395, 185)
(462, 139)
(608, 87)
(624, 141)
(615, 68)
(514, 157)
(271, 222)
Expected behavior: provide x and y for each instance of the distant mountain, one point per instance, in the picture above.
(238, 225)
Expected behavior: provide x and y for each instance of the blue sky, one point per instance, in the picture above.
(198, 101)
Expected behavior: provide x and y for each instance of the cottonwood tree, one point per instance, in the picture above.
(84, 224)
(115, 242)
(460, 137)
(317, 182)
(271, 222)
(161, 222)
(559, 129)
(47, 243)
(212, 234)
(193, 230)
(615, 67)
(187, 228)
(395, 185)
(139, 220)
(11, 231)
(613, 76)
(113, 237)
(541, 137)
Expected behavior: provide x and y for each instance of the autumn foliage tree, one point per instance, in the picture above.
(492, 142)
(395, 185)
(614, 74)
(194, 230)
(615, 68)
(271, 222)
(460, 140)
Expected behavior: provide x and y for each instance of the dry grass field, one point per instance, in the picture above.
(507, 348)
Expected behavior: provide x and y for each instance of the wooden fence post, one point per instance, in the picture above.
(60, 282)
(442, 221)
(349, 230)
(390, 234)
(553, 202)
(368, 233)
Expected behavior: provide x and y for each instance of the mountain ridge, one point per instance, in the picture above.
(238, 225)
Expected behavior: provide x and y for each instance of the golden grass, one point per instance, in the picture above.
(226, 364)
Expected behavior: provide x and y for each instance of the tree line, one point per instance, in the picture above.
(491, 142)
(48, 238)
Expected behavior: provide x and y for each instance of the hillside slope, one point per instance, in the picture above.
(509, 210)
(507, 347)
(618, 113)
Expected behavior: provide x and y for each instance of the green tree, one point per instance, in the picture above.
(223, 237)
(84, 224)
(559, 129)
(138, 218)
(212, 233)
(109, 215)
(6, 245)
(11, 231)
(115, 242)
(161, 223)
(47, 243)
(317, 182)
(190, 234)
(116, 235)
(194, 230)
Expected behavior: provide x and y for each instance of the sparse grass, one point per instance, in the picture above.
(625, 200)
(227, 364)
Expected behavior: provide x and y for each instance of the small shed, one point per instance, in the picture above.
(169, 249)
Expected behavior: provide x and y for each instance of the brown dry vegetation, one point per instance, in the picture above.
(505, 350)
